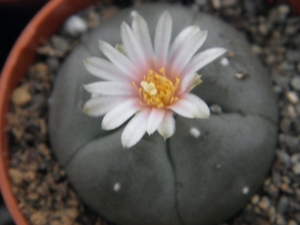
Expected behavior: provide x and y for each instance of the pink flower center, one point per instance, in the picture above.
(156, 90)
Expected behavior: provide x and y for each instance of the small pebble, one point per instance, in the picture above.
(216, 4)
(195, 132)
(292, 222)
(228, 3)
(201, 2)
(245, 190)
(264, 203)
(224, 62)
(280, 220)
(296, 169)
(282, 204)
(241, 75)
(295, 158)
(296, 83)
(256, 49)
(292, 97)
(255, 199)
(117, 187)
(21, 96)
(75, 26)
(216, 109)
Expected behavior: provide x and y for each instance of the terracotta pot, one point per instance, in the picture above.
(17, 3)
(43, 25)
(295, 5)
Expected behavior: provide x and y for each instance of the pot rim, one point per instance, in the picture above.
(22, 55)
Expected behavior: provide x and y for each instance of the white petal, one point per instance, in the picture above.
(135, 129)
(189, 82)
(162, 39)
(141, 32)
(132, 46)
(155, 118)
(186, 52)
(111, 88)
(118, 59)
(120, 114)
(202, 59)
(200, 104)
(103, 69)
(167, 126)
(183, 37)
(98, 106)
(185, 108)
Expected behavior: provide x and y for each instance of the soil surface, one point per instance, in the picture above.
(40, 185)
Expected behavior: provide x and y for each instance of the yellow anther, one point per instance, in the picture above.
(157, 90)
(149, 87)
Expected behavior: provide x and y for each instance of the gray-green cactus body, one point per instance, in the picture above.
(191, 178)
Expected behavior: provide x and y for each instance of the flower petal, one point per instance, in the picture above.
(120, 114)
(118, 59)
(162, 39)
(200, 104)
(141, 32)
(167, 126)
(155, 118)
(185, 108)
(98, 106)
(111, 88)
(135, 129)
(103, 69)
(189, 82)
(186, 52)
(202, 59)
(183, 37)
(132, 46)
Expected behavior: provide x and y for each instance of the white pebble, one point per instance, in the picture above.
(292, 97)
(296, 168)
(133, 13)
(195, 132)
(224, 62)
(245, 190)
(75, 25)
(117, 187)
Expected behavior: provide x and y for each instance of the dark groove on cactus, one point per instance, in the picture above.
(88, 141)
(175, 181)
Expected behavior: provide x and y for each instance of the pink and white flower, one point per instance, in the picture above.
(148, 83)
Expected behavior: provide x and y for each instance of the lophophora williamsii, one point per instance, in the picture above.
(132, 127)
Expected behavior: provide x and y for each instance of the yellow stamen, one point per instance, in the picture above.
(157, 90)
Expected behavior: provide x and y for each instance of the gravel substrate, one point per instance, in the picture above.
(40, 185)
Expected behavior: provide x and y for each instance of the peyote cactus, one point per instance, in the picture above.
(192, 177)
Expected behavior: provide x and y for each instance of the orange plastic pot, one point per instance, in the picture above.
(42, 26)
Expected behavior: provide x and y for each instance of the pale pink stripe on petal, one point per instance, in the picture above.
(141, 32)
(135, 129)
(132, 47)
(111, 88)
(162, 39)
(119, 60)
(120, 114)
(167, 126)
(200, 104)
(155, 118)
(185, 108)
(186, 52)
(104, 69)
(98, 106)
(202, 59)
